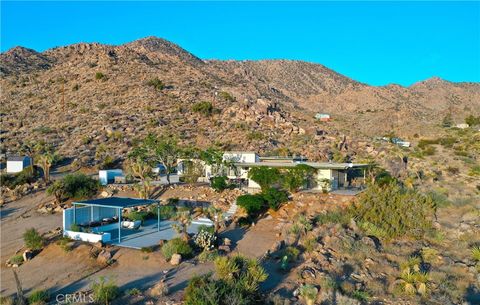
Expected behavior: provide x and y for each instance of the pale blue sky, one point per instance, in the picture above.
(373, 42)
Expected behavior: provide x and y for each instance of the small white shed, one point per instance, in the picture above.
(16, 164)
(107, 176)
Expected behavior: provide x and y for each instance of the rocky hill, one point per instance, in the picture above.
(85, 95)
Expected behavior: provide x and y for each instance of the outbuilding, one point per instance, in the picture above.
(107, 176)
(16, 164)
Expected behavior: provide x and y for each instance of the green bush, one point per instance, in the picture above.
(395, 211)
(176, 246)
(253, 204)
(38, 297)
(204, 107)
(295, 178)
(209, 229)
(74, 186)
(166, 211)
(135, 215)
(64, 244)
(33, 240)
(264, 176)
(219, 183)
(104, 291)
(12, 181)
(16, 259)
(275, 198)
(156, 83)
(338, 216)
(99, 75)
(474, 171)
(75, 227)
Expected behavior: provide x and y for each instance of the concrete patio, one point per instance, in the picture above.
(148, 234)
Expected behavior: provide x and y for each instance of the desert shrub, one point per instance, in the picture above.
(274, 197)
(309, 244)
(208, 256)
(255, 135)
(146, 249)
(471, 120)
(226, 96)
(74, 186)
(429, 151)
(133, 292)
(16, 259)
(99, 75)
(75, 227)
(173, 201)
(291, 253)
(104, 291)
(476, 253)
(12, 181)
(264, 176)
(137, 215)
(64, 244)
(337, 216)
(6, 300)
(395, 211)
(219, 183)
(253, 204)
(209, 229)
(38, 297)
(309, 293)
(33, 240)
(453, 170)
(205, 290)
(384, 178)
(205, 240)
(245, 273)
(474, 171)
(447, 142)
(156, 83)
(424, 143)
(176, 246)
(204, 107)
(166, 211)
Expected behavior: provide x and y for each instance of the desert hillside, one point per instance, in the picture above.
(85, 94)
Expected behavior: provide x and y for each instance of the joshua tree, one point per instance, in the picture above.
(47, 157)
(184, 219)
(162, 150)
(212, 213)
(29, 148)
(141, 170)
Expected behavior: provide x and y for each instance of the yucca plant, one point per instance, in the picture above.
(407, 281)
(421, 281)
(476, 253)
(309, 293)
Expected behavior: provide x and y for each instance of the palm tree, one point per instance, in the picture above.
(183, 219)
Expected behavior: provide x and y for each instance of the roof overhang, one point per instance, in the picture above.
(116, 202)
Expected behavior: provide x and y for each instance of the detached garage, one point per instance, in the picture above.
(16, 164)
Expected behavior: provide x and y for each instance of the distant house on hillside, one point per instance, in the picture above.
(16, 164)
(324, 117)
(108, 176)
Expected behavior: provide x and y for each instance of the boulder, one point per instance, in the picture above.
(160, 289)
(176, 259)
(224, 248)
(227, 242)
(104, 257)
(28, 255)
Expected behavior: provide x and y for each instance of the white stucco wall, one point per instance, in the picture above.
(248, 157)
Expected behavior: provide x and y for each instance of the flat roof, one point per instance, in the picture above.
(16, 158)
(319, 165)
(116, 202)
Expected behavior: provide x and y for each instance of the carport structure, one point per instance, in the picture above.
(102, 216)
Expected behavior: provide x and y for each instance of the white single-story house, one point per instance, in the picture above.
(16, 164)
(107, 176)
(324, 117)
(462, 126)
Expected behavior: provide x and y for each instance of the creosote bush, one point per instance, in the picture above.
(176, 246)
(38, 297)
(104, 291)
(390, 211)
(204, 107)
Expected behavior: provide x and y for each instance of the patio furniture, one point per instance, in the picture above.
(131, 224)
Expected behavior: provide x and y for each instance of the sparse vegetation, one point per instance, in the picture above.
(176, 246)
(33, 240)
(73, 186)
(205, 108)
(38, 297)
(156, 83)
(105, 290)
